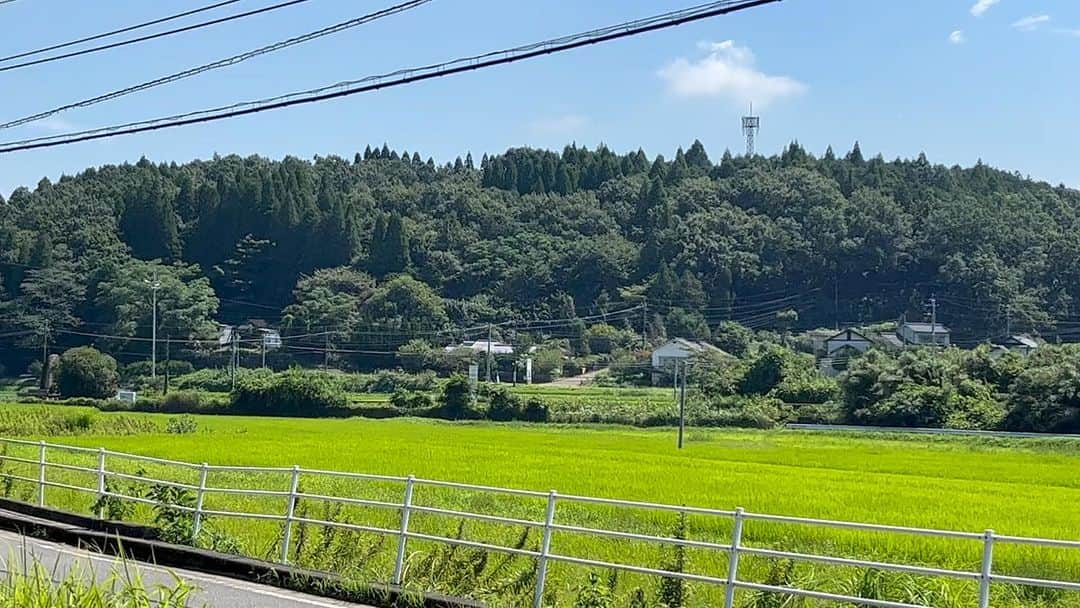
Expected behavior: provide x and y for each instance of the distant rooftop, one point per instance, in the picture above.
(927, 327)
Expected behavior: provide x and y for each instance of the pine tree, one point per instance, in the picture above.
(563, 182)
(367, 152)
(697, 158)
(397, 245)
(693, 292)
(855, 157)
(658, 169)
(377, 257)
(469, 161)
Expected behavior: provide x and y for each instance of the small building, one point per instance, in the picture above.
(1020, 344)
(665, 357)
(482, 347)
(923, 334)
(847, 340)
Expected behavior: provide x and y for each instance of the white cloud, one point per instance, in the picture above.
(980, 7)
(727, 72)
(564, 124)
(1069, 32)
(1031, 23)
(54, 124)
(957, 37)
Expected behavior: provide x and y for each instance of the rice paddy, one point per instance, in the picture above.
(1016, 487)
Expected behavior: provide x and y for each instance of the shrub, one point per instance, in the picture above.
(133, 372)
(217, 380)
(87, 372)
(911, 406)
(181, 425)
(292, 393)
(503, 405)
(408, 400)
(456, 397)
(535, 410)
(806, 389)
(183, 401)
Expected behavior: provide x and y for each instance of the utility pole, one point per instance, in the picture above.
(933, 320)
(645, 324)
(326, 353)
(168, 360)
(154, 286)
(487, 372)
(235, 355)
(44, 353)
(682, 403)
(1008, 319)
(262, 351)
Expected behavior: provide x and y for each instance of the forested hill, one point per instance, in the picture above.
(540, 234)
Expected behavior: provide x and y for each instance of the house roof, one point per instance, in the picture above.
(848, 334)
(693, 345)
(926, 328)
(481, 346)
(1016, 340)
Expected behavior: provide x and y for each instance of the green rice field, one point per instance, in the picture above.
(1016, 487)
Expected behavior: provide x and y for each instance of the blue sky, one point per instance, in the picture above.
(958, 79)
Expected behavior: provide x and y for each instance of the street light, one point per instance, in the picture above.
(154, 285)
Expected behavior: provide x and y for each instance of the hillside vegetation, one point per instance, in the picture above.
(386, 247)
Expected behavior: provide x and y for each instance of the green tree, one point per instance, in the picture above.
(186, 301)
(87, 372)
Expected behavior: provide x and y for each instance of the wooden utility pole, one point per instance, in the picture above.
(682, 403)
(168, 360)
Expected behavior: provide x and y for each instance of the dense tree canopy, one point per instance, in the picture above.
(393, 243)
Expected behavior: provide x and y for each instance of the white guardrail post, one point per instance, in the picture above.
(545, 550)
(986, 574)
(403, 538)
(200, 495)
(41, 473)
(733, 560)
(101, 482)
(289, 512)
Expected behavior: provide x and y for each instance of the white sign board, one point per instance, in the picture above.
(474, 373)
(528, 370)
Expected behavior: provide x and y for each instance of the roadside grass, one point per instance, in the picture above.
(35, 585)
(1016, 487)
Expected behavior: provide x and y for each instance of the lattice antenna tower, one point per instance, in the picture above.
(750, 126)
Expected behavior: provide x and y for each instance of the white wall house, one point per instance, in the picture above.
(481, 346)
(678, 349)
(847, 339)
(923, 334)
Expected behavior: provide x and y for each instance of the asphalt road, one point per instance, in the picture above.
(211, 591)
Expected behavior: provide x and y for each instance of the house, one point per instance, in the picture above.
(665, 357)
(847, 340)
(483, 347)
(840, 347)
(1020, 344)
(923, 334)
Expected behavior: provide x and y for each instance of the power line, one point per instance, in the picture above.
(148, 37)
(222, 63)
(404, 76)
(115, 32)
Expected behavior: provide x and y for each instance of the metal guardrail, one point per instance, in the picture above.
(734, 549)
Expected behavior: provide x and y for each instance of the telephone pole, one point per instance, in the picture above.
(44, 353)
(168, 360)
(933, 320)
(487, 366)
(682, 401)
(645, 324)
(1008, 319)
(154, 286)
